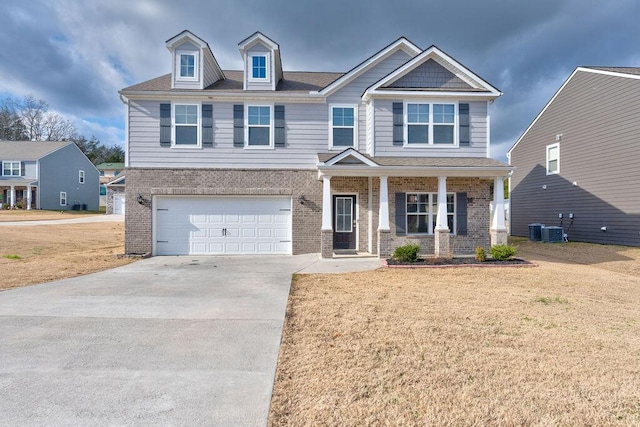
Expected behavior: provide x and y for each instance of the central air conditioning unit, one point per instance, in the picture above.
(552, 234)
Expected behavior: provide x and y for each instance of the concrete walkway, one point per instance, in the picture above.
(166, 340)
(85, 219)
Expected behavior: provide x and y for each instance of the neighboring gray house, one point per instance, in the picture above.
(266, 161)
(580, 159)
(47, 175)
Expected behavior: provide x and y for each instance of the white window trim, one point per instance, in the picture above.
(431, 215)
(430, 144)
(81, 177)
(63, 196)
(246, 128)
(11, 167)
(198, 126)
(355, 126)
(549, 147)
(267, 63)
(196, 68)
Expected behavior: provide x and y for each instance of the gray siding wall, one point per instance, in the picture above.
(384, 134)
(352, 93)
(181, 84)
(211, 74)
(253, 85)
(306, 135)
(597, 116)
(59, 172)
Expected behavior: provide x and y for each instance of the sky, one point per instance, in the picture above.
(76, 55)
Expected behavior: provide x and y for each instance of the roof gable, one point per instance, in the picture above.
(400, 44)
(434, 69)
(256, 38)
(350, 157)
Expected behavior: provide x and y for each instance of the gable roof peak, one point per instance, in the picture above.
(186, 34)
(255, 37)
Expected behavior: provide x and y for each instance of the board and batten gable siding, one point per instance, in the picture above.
(259, 48)
(598, 118)
(190, 48)
(384, 134)
(59, 172)
(352, 92)
(306, 132)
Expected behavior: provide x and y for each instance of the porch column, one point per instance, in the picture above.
(442, 245)
(326, 245)
(28, 197)
(498, 227)
(12, 196)
(384, 230)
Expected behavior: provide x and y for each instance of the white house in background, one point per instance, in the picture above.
(266, 161)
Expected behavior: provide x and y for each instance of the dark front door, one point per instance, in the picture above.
(344, 222)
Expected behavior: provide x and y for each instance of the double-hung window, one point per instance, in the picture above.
(10, 168)
(186, 123)
(343, 127)
(259, 126)
(259, 67)
(63, 198)
(187, 66)
(81, 176)
(553, 159)
(422, 212)
(430, 123)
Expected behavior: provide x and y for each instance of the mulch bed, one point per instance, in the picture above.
(457, 262)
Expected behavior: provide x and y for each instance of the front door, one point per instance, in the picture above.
(344, 222)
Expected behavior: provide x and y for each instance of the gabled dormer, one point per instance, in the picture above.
(262, 64)
(193, 64)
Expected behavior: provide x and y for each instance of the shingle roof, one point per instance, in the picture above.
(625, 70)
(435, 162)
(28, 150)
(103, 166)
(293, 81)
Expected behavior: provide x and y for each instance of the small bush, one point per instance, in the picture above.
(502, 252)
(481, 254)
(13, 256)
(407, 253)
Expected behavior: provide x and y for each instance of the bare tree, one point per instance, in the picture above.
(38, 122)
(11, 127)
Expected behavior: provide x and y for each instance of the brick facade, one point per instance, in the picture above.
(111, 190)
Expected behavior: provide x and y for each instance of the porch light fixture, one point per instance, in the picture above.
(140, 199)
(302, 199)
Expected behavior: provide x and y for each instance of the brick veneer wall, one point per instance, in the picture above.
(359, 186)
(109, 196)
(478, 195)
(306, 218)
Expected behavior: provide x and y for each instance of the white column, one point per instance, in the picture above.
(497, 222)
(12, 196)
(441, 220)
(383, 217)
(28, 197)
(326, 203)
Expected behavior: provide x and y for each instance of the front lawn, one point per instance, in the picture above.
(557, 344)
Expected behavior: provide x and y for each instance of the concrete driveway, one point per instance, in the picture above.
(167, 340)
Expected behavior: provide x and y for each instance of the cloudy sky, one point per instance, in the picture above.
(76, 55)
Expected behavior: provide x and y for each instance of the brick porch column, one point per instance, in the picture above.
(498, 227)
(442, 244)
(326, 244)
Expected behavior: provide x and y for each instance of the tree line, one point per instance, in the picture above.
(29, 119)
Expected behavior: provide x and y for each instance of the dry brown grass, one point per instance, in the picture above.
(37, 254)
(40, 215)
(558, 344)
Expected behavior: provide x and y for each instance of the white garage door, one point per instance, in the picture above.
(118, 204)
(202, 225)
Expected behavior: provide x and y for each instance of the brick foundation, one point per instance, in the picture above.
(442, 244)
(499, 237)
(327, 244)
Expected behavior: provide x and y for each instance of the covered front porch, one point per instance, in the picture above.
(19, 193)
(373, 205)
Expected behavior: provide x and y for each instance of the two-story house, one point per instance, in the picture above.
(266, 161)
(47, 175)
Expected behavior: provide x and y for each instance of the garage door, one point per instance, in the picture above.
(193, 225)
(118, 204)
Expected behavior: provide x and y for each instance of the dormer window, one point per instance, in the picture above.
(187, 65)
(259, 67)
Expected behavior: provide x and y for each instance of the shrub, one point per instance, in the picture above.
(502, 252)
(481, 254)
(407, 253)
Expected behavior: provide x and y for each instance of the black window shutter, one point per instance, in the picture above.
(461, 214)
(21, 168)
(165, 125)
(279, 136)
(207, 125)
(463, 125)
(401, 211)
(238, 125)
(398, 123)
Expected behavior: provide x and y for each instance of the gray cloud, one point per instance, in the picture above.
(77, 55)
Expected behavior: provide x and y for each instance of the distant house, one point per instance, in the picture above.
(108, 172)
(115, 196)
(47, 175)
(577, 164)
